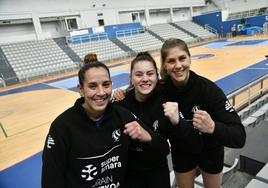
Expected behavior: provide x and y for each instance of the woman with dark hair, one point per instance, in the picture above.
(90, 58)
(87, 145)
(149, 168)
(207, 121)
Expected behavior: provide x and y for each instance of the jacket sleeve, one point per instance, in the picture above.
(158, 142)
(54, 160)
(228, 127)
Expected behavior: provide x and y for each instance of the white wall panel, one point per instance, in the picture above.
(17, 33)
(89, 19)
(110, 17)
(85, 10)
(125, 17)
(40, 6)
(181, 14)
(52, 30)
(157, 18)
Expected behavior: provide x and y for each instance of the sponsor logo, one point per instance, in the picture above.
(89, 172)
(116, 135)
(50, 141)
(111, 163)
(195, 108)
(106, 182)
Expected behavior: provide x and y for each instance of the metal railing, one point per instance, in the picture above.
(2, 82)
(129, 32)
(211, 29)
(249, 93)
(246, 14)
(86, 38)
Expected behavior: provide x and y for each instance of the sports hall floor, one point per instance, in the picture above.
(26, 112)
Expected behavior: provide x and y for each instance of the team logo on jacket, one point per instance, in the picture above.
(155, 126)
(116, 135)
(195, 108)
(89, 172)
(228, 107)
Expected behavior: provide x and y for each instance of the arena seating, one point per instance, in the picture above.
(105, 49)
(227, 173)
(196, 29)
(255, 112)
(263, 174)
(261, 179)
(141, 42)
(36, 58)
(256, 184)
(254, 154)
(166, 31)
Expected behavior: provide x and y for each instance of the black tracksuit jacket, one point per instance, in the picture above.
(79, 154)
(151, 114)
(205, 94)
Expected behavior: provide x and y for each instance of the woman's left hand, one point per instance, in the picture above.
(203, 122)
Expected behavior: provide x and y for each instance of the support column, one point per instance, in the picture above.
(37, 27)
(147, 16)
(191, 12)
(171, 15)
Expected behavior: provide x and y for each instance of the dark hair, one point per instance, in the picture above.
(90, 58)
(141, 56)
(168, 44)
(94, 64)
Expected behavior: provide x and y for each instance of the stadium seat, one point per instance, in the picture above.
(227, 173)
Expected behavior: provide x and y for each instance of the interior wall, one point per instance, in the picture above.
(181, 14)
(85, 10)
(143, 19)
(240, 5)
(53, 29)
(158, 18)
(125, 17)
(17, 33)
(89, 19)
(16, 6)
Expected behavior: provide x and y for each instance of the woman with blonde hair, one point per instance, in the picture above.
(202, 105)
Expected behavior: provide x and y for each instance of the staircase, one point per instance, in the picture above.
(121, 45)
(7, 75)
(184, 30)
(69, 52)
(155, 35)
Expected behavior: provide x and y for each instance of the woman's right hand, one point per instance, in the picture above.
(137, 132)
(119, 94)
(171, 111)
